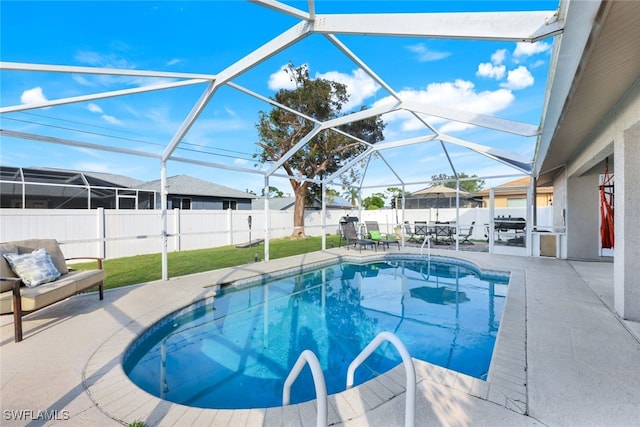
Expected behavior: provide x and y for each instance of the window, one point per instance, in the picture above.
(179, 203)
(229, 204)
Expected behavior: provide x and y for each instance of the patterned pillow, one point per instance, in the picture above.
(35, 268)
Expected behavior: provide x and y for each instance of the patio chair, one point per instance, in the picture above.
(351, 236)
(412, 236)
(421, 229)
(465, 234)
(373, 229)
(443, 233)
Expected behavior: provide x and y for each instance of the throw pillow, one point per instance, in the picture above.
(34, 268)
(375, 235)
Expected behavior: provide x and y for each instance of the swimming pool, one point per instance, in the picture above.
(235, 350)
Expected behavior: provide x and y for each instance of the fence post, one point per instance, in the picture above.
(101, 233)
(230, 226)
(176, 229)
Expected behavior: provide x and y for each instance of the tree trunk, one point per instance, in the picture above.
(298, 212)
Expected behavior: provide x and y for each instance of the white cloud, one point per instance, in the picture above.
(498, 56)
(99, 60)
(460, 95)
(519, 78)
(93, 166)
(359, 86)
(96, 59)
(33, 96)
(174, 61)
(81, 80)
(281, 80)
(529, 49)
(94, 108)
(538, 63)
(487, 69)
(111, 120)
(240, 161)
(427, 55)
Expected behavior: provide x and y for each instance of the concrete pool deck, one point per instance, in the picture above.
(562, 358)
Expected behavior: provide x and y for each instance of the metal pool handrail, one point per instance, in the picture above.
(426, 238)
(307, 356)
(410, 402)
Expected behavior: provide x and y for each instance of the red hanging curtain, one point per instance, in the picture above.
(606, 210)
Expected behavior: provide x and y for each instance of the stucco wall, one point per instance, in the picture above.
(560, 201)
(582, 175)
(583, 229)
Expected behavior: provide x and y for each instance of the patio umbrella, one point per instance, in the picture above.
(440, 191)
(437, 191)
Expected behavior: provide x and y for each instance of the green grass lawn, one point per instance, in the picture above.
(145, 268)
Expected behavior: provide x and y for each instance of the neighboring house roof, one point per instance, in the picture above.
(338, 202)
(122, 180)
(276, 203)
(190, 186)
(505, 189)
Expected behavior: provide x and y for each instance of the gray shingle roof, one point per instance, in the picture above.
(190, 186)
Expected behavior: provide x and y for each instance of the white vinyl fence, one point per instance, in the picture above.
(120, 233)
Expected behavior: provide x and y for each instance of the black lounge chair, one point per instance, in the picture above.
(351, 236)
(373, 229)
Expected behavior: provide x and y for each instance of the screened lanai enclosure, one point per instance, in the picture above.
(55, 189)
(422, 138)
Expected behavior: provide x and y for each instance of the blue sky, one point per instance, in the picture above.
(504, 79)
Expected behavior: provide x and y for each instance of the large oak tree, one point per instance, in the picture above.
(279, 130)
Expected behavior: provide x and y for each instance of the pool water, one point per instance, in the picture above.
(235, 350)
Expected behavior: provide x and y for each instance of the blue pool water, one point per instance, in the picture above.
(235, 350)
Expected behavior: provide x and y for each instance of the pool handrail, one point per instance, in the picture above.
(307, 356)
(427, 238)
(410, 370)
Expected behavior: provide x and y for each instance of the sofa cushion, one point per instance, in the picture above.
(34, 268)
(48, 293)
(51, 245)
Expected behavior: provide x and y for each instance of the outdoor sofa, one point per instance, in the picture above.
(18, 298)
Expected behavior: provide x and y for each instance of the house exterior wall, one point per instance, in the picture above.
(560, 201)
(203, 202)
(502, 201)
(626, 268)
(582, 177)
(583, 203)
